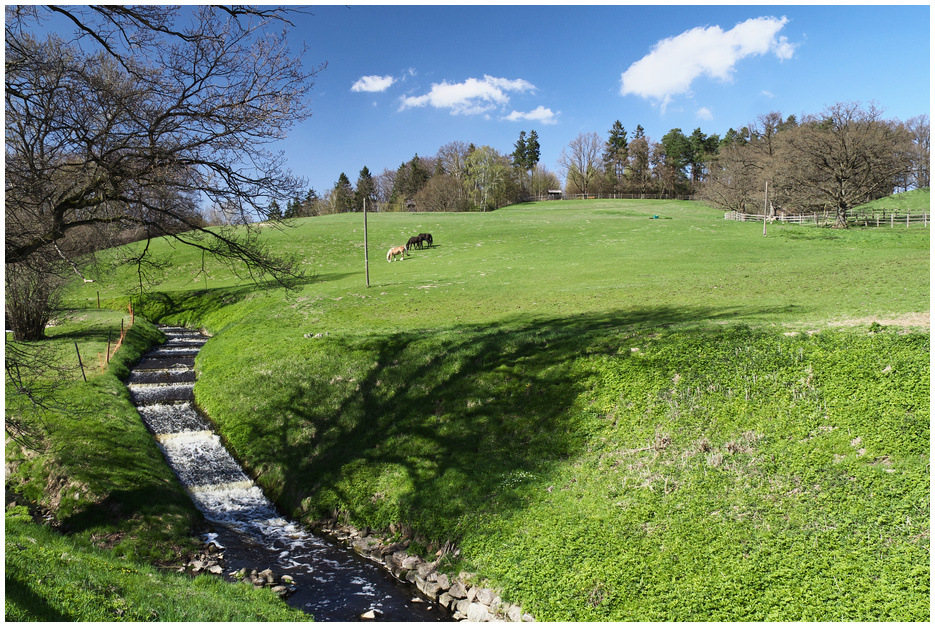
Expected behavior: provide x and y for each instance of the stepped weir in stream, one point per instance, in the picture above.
(332, 583)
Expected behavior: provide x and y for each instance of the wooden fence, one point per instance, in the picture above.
(611, 196)
(876, 218)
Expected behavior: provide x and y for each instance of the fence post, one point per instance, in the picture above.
(366, 254)
(80, 364)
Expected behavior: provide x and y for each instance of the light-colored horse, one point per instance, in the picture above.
(398, 250)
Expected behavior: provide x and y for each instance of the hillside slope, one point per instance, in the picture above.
(613, 415)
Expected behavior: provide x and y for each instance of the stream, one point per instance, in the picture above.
(332, 583)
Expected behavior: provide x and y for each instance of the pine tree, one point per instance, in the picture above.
(365, 190)
(343, 194)
(532, 150)
(519, 152)
(616, 153)
(275, 213)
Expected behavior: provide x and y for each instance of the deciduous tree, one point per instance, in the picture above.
(143, 110)
(581, 162)
(846, 156)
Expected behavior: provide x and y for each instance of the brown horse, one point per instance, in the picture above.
(398, 250)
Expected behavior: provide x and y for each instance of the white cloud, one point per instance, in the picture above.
(473, 96)
(540, 114)
(672, 64)
(373, 83)
(704, 113)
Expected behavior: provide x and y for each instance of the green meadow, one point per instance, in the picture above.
(615, 410)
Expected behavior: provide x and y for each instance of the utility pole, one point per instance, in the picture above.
(366, 257)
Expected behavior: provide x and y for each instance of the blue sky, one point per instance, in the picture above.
(429, 75)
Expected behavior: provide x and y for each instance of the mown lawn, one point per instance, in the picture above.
(614, 416)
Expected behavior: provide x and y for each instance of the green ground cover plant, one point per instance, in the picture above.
(50, 577)
(614, 417)
(95, 465)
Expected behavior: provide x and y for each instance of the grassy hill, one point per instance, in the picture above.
(618, 410)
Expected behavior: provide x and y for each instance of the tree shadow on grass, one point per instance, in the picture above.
(19, 593)
(453, 414)
(195, 304)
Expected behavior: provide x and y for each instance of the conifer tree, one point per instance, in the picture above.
(365, 189)
(616, 153)
(343, 194)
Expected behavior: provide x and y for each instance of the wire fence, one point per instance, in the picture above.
(876, 218)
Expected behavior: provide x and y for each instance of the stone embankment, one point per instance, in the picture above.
(461, 595)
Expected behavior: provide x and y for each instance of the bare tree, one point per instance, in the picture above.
(735, 179)
(143, 109)
(639, 169)
(543, 180)
(443, 192)
(581, 161)
(121, 130)
(847, 156)
(920, 128)
(384, 184)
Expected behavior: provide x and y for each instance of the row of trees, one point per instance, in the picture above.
(845, 156)
(459, 177)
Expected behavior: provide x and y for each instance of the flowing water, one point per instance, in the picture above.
(332, 583)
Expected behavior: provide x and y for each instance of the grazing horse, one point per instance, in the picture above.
(397, 250)
(427, 238)
(414, 241)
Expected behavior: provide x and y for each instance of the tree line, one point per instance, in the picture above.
(459, 177)
(844, 156)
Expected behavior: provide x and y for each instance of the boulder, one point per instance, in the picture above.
(392, 548)
(429, 588)
(426, 567)
(515, 614)
(485, 596)
(478, 613)
(457, 590)
(446, 600)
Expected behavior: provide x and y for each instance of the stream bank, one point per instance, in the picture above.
(326, 580)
